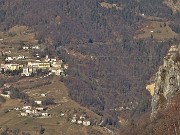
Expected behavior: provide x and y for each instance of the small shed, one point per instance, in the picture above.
(24, 114)
(86, 123)
(38, 102)
(79, 122)
(45, 114)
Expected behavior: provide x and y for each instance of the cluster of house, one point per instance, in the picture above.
(36, 47)
(9, 58)
(80, 120)
(36, 112)
(29, 110)
(53, 65)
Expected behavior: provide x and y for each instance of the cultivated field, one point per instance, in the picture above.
(56, 124)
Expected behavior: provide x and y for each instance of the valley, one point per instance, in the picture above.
(89, 67)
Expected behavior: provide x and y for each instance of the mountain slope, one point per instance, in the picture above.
(109, 68)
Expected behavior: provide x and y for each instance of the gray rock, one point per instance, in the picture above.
(167, 81)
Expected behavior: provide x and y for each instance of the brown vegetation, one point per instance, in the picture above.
(123, 65)
(166, 123)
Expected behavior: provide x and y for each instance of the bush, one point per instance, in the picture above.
(14, 72)
(17, 94)
(48, 101)
(2, 99)
(42, 130)
(2, 82)
(177, 57)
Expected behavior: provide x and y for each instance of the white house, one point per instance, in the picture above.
(6, 96)
(26, 108)
(17, 108)
(73, 120)
(34, 111)
(40, 108)
(24, 114)
(9, 59)
(26, 71)
(7, 85)
(25, 47)
(38, 102)
(37, 114)
(36, 47)
(79, 122)
(43, 95)
(28, 111)
(62, 114)
(53, 60)
(56, 64)
(86, 123)
(56, 71)
(8, 92)
(45, 114)
(82, 117)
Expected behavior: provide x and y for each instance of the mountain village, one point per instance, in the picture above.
(31, 66)
(36, 68)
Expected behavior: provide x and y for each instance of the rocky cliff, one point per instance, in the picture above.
(167, 80)
(173, 4)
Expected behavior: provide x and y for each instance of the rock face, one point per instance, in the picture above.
(167, 80)
(173, 4)
(150, 88)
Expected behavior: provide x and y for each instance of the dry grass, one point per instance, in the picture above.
(55, 125)
(15, 38)
(155, 29)
(21, 34)
(106, 5)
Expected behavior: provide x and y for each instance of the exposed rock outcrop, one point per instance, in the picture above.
(173, 4)
(110, 6)
(167, 80)
(150, 88)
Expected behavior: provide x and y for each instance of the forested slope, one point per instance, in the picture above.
(117, 66)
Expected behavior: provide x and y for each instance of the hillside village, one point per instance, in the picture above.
(21, 54)
(30, 66)
(42, 112)
(43, 108)
(41, 95)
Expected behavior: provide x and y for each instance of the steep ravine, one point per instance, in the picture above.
(167, 80)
